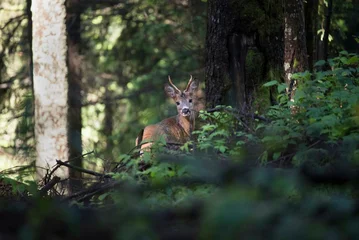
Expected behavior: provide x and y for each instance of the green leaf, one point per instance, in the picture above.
(281, 87)
(353, 60)
(264, 157)
(103, 196)
(276, 155)
(271, 83)
(222, 149)
(346, 72)
(344, 60)
(299, 94)
(343, 53)
(319, 63)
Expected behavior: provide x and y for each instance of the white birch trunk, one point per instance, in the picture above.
(50, 84)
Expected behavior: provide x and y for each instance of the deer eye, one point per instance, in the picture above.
(190, 100)
(177, 103)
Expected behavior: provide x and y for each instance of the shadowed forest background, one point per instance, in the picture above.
(274, 153)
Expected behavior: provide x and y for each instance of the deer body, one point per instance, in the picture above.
(176, 129)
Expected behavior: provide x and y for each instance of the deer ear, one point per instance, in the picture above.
(170, 91)
(193, 86)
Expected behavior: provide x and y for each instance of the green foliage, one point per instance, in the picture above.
(138, 48)
(224, 133)
(320, 124)
(323, 113)
(129, 49)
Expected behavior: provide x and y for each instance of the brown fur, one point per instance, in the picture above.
(176, 129)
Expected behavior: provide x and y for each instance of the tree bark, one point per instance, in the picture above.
(217, 78)
(50, 84)
(238, 48)
(272, 47)
(226, 51)
(108, 129)
(311, 22)
(29, 38)
(73, 22)
(328, 16)
(295, 49)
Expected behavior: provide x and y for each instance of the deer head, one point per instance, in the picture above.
(183, 99)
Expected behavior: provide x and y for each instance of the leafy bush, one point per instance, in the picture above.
(205, 191)
(320, 123)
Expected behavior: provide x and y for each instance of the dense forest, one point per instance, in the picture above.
(179, 119)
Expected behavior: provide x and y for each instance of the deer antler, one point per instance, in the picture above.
(189, 83)
(174, 86)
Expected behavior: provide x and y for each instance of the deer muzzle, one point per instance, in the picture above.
(186, 112)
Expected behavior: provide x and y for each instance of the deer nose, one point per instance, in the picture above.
(185, 111)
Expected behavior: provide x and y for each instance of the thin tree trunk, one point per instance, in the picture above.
(74, 94)
(311, 13)
(295, 50)
(29, 36)
(108, 129)
(31, 64)
(50, 84)
(321, 20)
(328, 16)
(315, 17)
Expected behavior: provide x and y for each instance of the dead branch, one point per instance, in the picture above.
(21, 17)
(61, 163)
(48, 175)
(49, 185)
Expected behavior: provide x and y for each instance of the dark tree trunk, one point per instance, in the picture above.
(295, 50)
(74, 93)
(238, 47)
(108, 129)
(226, 51)
(311, 21)
(272, 47)
(29, 37)
(328, 16)
(315, 29)
(217, 78)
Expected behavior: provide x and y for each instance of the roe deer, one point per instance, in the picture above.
(176, 129)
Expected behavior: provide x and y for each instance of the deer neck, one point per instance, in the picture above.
(186, 123)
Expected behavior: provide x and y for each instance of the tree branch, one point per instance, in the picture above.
(61, 163)
(49, 185)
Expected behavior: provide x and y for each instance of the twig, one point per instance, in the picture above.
(21, 16)
(49, 185)
(89, 192)
(61, 163)
(48, 176)
(83, 155)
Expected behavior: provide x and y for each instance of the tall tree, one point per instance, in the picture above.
(29, 38)
(328, 16)
(311, 22)
(226, 49)
(295, 49)
(73, 23)
(108, 126)
(50, 84)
